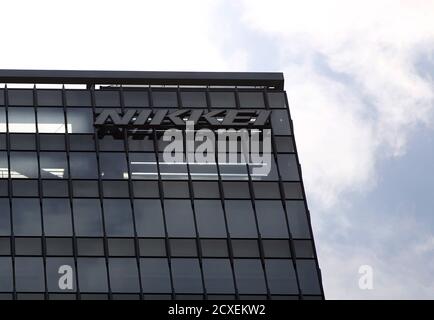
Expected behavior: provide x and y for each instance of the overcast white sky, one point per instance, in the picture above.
(359, 76)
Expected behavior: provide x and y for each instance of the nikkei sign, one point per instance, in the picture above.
(164, 118)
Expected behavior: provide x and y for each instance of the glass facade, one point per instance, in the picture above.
(106, 208)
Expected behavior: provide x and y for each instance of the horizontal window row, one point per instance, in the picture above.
(86, 142)
(155, 276)
(150, 189)
(156, 247)
(85, 165)
(51, 120)
(269, 219)
(141, 98)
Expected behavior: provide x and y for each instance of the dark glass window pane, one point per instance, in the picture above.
(4, 167)
(85, 189)
(118, 218)
(28, 246)
(107, 98)
(5, 218)
(251, 100)
(90, 247)
(276, 100)
(51, 120)
(152, 247)
(56, 269)
(146, 189)
(5, 247)
(121, 247)
(297, 218)
(124, 276)
(183, 247)
(53, 188)
(59, 246)
(186, 276)
(27, 217)
(141, 142)
(87, 217)
(218, 276)
(155, 275)
(288, 167)
(29, 274)
(284, 144)
(136, 98)
(57, 217)
(179, 218)
(176, 189)
(2, 136)
(92, 274)
(113, 166)
(78, 98)
(266, 171)
(80, 120)
(51, 142)
(6, 274)
(116, 189)
(249, 276)
(24, 165)
(280, 122)
(281, 276)
(271, 219)
(308, 276)
(293, 190)
(23, 142)
(266, 190)
(214, 248)
(165, 99)
(54, 165)
(303, 248)
(143, 166)
(193, 99)
(82, 142)
(245, 248)
(20, 97)
(25, 188)
(49, 97)
(83, 165)
(4, 189)
(149, 218)
(206, 189)
(222, 100)
(210, 218)
(111, 143)
(236, 190)
(21, 120)
(241, 219)
(276, 248)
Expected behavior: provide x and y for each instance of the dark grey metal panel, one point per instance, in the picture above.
(267, 79)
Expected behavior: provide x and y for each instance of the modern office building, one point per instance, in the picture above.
(91, 207)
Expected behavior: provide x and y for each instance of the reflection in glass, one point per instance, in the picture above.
(179, 218)
(21, 120)
(80, 120)
(26, 217)
(113, 165)
(87, 217)
(83, 165)
(124, 275)
(53, 165)
(241, 220)
(281, 276)
(186, 276)
(57, 217)
(51, 120)
(29, 274)
(249, 276)
(149, 218)
(5, 219)
(24, 165)
(210, 219)
(143, 166)
(6, 274)
(118, 218)
(155, 275)
(92, 274)
(218, 276)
